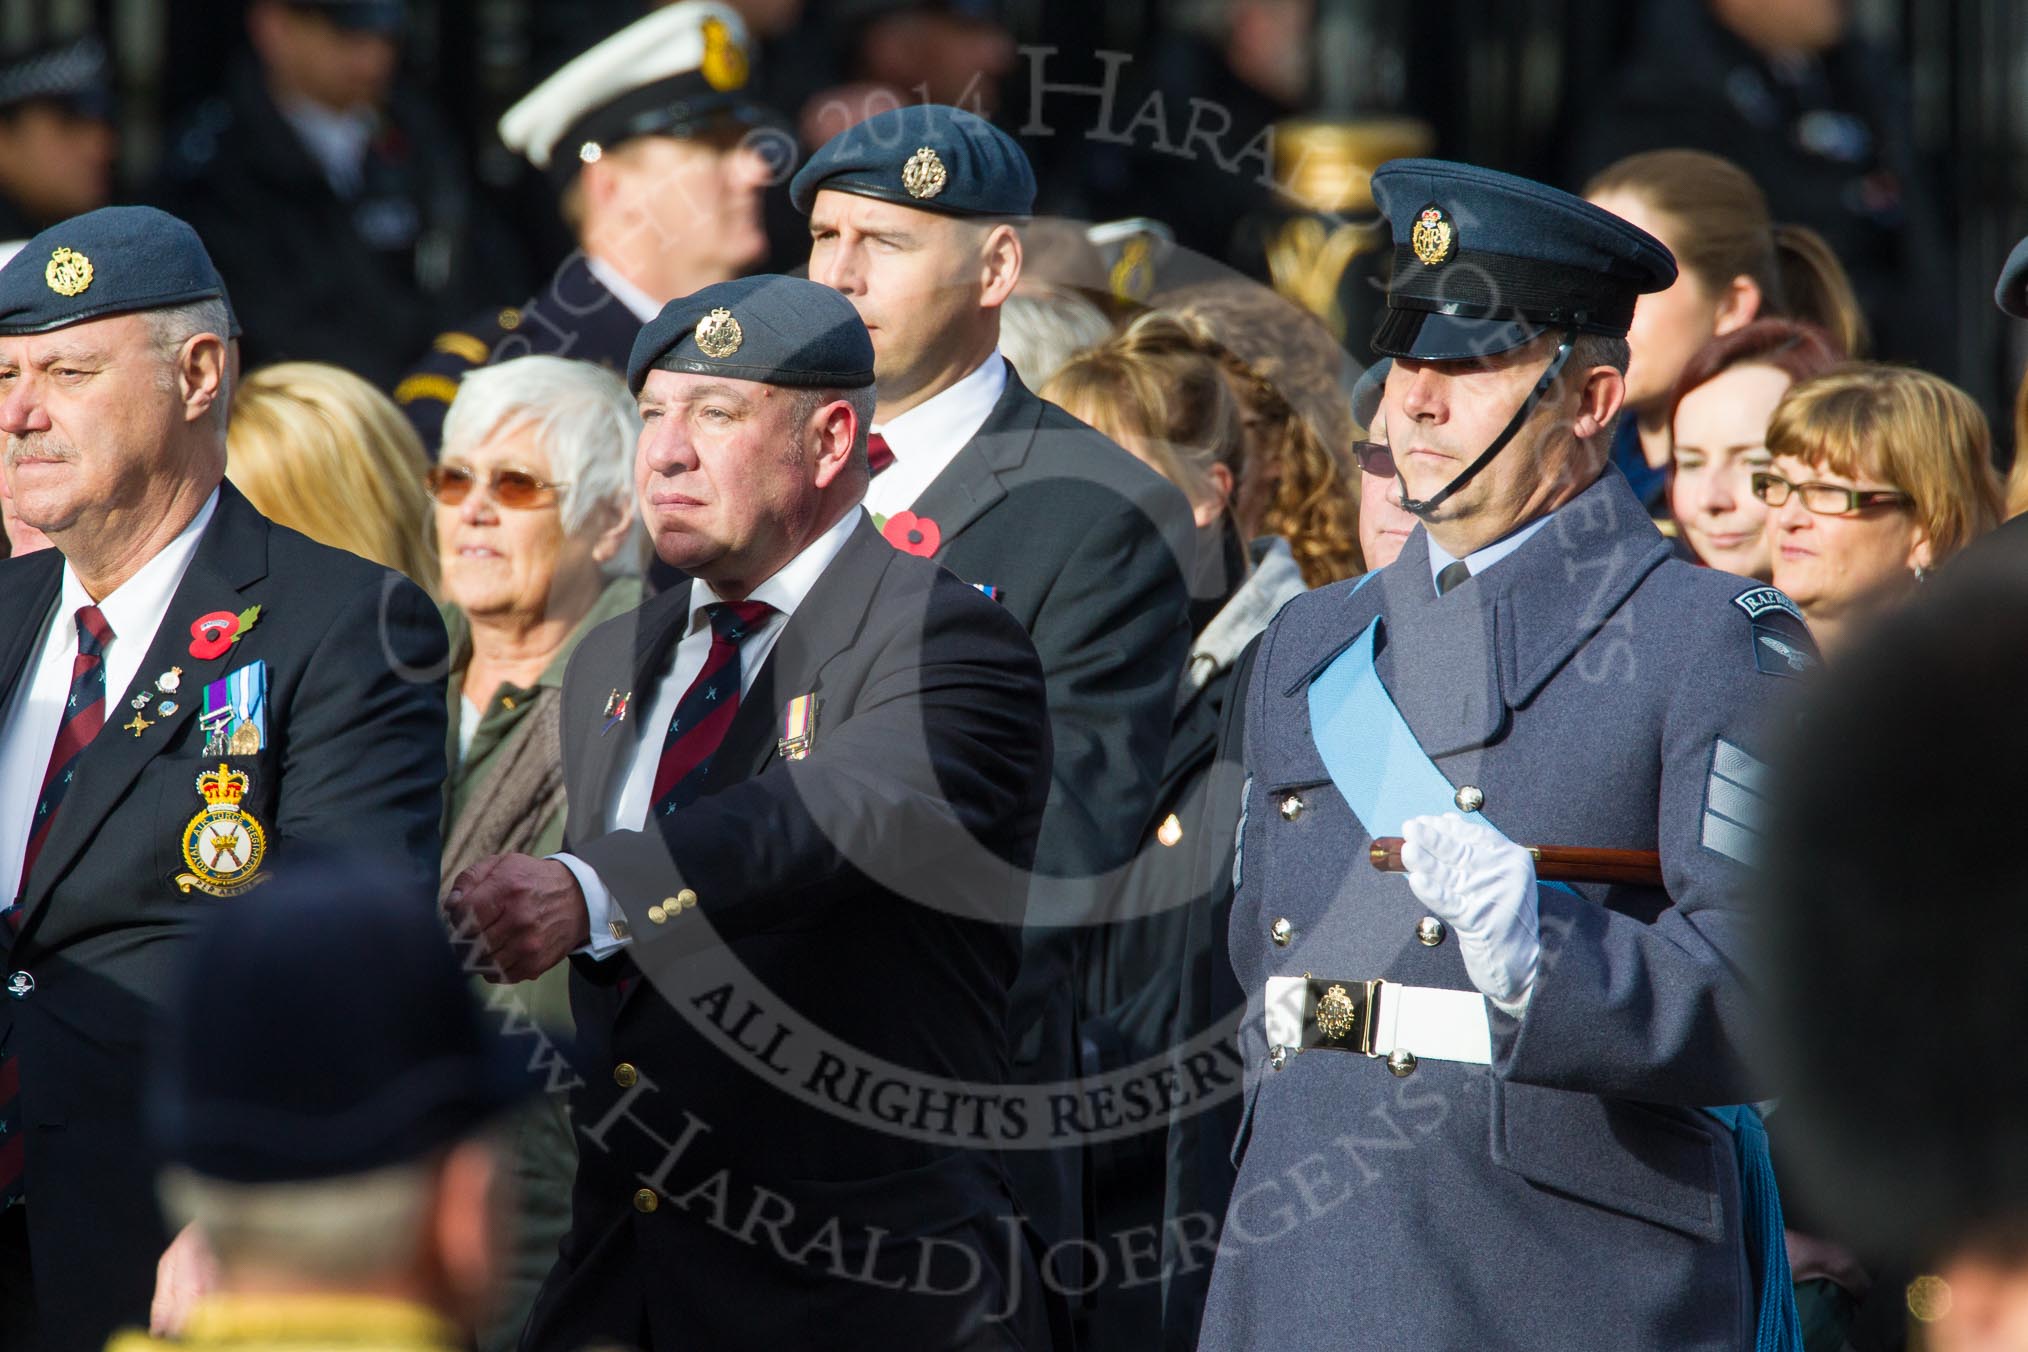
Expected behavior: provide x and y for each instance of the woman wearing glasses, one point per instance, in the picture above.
(539, 541)
(1880, 474)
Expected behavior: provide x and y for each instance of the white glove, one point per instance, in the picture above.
(1483, 886)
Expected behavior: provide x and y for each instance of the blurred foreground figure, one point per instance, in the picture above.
(1907, 1132)
(326, 1136)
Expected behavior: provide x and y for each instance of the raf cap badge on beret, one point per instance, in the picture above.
(69, 272)
(1432, 238)
(719, 334)
(924, 174)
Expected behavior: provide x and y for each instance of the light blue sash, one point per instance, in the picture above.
(1385, 777)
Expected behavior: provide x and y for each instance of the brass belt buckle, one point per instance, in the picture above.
(1339, 1014)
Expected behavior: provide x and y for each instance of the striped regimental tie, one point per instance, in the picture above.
(84, 713)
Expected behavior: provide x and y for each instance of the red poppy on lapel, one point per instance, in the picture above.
(912, 534)
(211, 634)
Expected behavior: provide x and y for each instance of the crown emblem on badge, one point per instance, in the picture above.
(223, 787)
(223, 845)
(718, 334)
(1336, 1013)
(68, 272)
(724, 66)
(924, 175)
(1432, 239)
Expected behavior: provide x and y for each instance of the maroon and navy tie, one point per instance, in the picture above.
(705, 712)
(84, 713)
(879, 455)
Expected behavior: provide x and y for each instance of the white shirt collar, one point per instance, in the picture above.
(1479, 560)
(637, 301)
(951, 416)
(791, 583)
(134, 609)
(336, 141)
(929, 436)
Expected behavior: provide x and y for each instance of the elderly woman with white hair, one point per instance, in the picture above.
(539, 542)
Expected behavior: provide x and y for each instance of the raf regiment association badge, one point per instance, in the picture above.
(1432, 239)
(924, 174)
(724, 63)
(223, 845)
(799, 728)
(68, 273)
(719, 334)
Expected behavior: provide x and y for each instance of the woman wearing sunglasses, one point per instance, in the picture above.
(1880, 473)
(539, 541)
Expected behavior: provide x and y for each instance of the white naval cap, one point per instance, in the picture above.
(679, 71)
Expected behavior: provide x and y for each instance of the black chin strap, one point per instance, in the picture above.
(1427, 505)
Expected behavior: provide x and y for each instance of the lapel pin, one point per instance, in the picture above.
(139, 725)
(140, 701)
(616, 710)
(169, 681)
(212, 633)
(912, 534)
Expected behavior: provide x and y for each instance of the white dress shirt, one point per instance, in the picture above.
(637, 301)
(929, 436)
(627, 808)
(1479, 560)
(133, 611)
(336, 141)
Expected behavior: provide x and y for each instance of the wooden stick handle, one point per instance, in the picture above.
(1557, 863)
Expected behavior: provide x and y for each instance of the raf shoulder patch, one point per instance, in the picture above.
(1758, 601)
(1779, 654)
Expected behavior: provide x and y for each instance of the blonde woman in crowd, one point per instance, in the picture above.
(1880, 474)
(1291, 377)
(320, 451)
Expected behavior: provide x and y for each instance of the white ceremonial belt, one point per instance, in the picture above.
(1376, 1018)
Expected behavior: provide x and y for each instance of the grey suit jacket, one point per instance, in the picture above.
(1571, 1194)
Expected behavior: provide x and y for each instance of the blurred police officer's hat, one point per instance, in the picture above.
(321, 1026)
(73, 75)
(369, 16)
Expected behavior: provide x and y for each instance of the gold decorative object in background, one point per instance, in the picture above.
(1324, 170)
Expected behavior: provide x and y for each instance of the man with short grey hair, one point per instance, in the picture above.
(187, 694)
